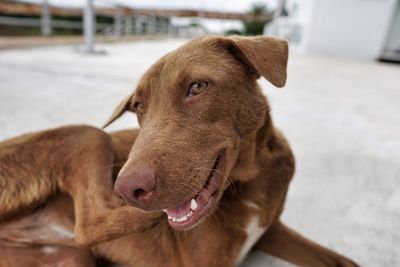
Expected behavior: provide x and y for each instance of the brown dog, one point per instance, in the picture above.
(207, 174)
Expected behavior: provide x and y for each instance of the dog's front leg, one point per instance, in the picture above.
(73, 159)
(97, 221)
(99, 214)
(286, 244)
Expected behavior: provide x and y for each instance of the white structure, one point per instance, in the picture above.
(361, 29)
(89, 27)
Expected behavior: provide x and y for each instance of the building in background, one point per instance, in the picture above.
(362, 29)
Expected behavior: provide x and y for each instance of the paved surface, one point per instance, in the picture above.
(341, 117)
(21, 42)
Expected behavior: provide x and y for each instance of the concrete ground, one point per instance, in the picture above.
(341, 117)
(19, 42)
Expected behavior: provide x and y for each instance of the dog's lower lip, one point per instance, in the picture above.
(190, 212)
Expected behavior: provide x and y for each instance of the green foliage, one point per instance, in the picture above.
(233, 32)
(255, 27)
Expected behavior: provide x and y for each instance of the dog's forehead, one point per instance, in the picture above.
(198, 50)
(204, 49)
(194, 54)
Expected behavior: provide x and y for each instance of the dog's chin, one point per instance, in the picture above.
(192, 211)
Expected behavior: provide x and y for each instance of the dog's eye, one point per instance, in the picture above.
(138, 108)
(197, 88)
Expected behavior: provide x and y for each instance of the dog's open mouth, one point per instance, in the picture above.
(187, 214)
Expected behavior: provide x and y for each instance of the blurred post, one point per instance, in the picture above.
(128, 29)
(46, 19)
(118, 17)
(279, 9)
(275, 27)
(138, 25)
(151, 25)
(88, 27)
(202, 8)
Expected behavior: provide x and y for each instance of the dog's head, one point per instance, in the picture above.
(201, 115)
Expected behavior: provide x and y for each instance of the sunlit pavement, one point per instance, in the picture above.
(341, 117)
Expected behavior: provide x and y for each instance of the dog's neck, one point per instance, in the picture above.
(252, 146)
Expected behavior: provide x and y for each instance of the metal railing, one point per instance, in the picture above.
(126, 20)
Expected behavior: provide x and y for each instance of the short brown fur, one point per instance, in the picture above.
(179, 138)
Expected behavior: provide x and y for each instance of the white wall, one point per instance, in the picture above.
(393, 41)
(349, 28)
(295, 26)
(302, 18)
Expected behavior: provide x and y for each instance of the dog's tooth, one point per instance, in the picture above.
(169, 217)
(190, 213)
(182, 219)
(193, 204)
(174, 219)
(165, 210)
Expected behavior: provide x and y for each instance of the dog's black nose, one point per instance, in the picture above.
(136, 186)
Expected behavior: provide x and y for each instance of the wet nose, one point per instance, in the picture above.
(136, 186)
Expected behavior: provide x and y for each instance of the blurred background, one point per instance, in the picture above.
(72, 61)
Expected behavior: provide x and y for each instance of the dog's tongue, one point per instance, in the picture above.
(180, 210)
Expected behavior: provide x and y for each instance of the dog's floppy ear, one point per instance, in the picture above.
(267, 55)
(120, 109)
